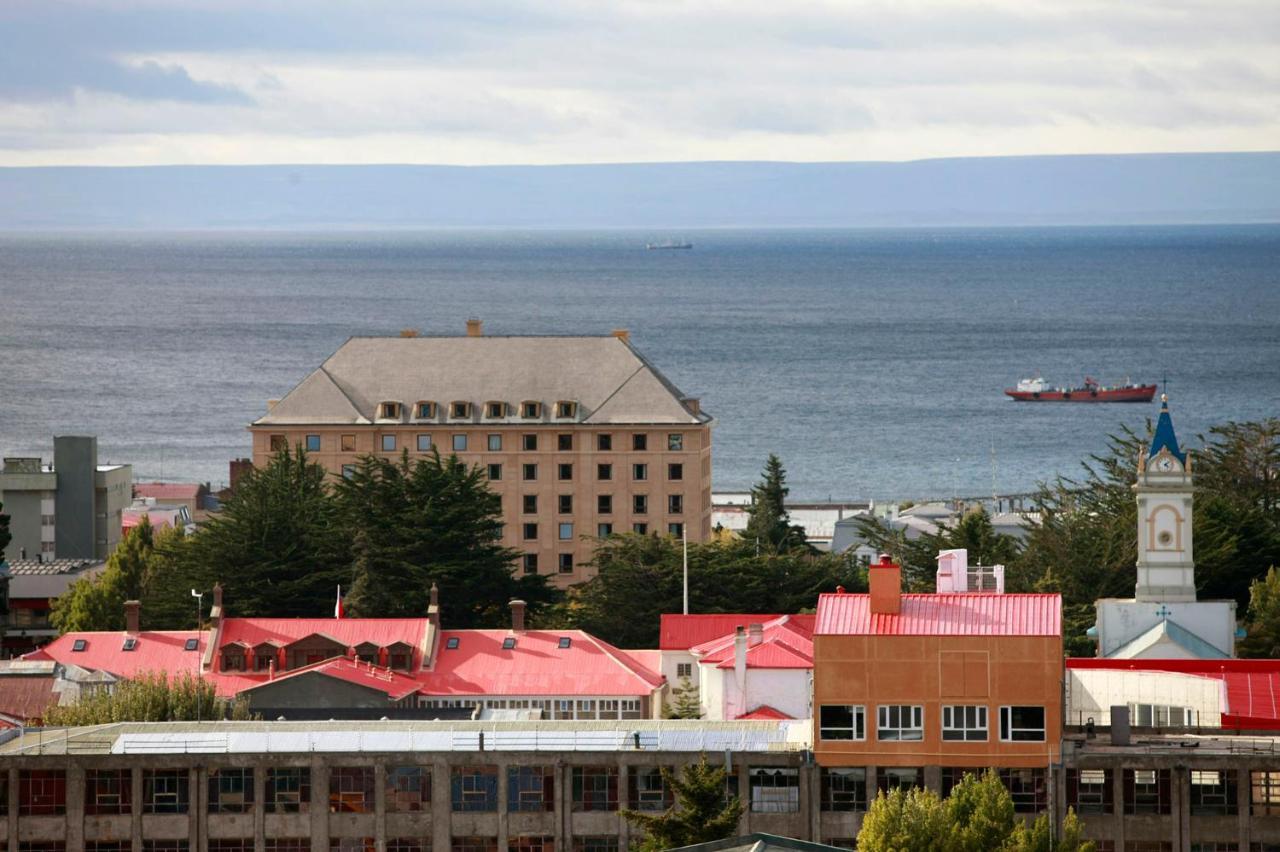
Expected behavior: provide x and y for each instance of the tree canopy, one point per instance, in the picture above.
(149, 697)
(97, 602)
(769, 527)
(702, 811)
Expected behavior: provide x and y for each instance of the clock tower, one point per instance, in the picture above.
(1166, 567)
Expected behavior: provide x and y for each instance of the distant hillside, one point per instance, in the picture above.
(1088, 190)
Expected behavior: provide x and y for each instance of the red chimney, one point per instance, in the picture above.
(885, 580)
(132, 612)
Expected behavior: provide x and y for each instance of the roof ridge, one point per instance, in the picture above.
(612, 653)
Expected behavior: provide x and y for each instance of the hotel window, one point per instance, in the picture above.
(566, 532)
(566, 563)
(675, 504)
(459, 443)
(675, 441)
(529, 503)
(530, 788)
(1089, 790)
(640, 472)
(604, 472)
(471, 843)
(1022, 724)
(564, 441)
(639, 441)
(495, 443)
(288, 790)
(842, 722)
(890, 778)
(424, 443)
(474, 788)
(1264, 793)
(1213, 792)
(278, 443)
(388, 443)
(495, 410)
(408, 788)
(640, 528)
(530, 410)
(389, 411)
(347, 443)
(529, 443)
(844, 789)
(1146, 791)
(775, 790)
(230, 791)
(604, 530)
(165, 791)
(565, 408)
(107, 792)
(964, 722)
(595, 788)
(460, 410)
(564, 472)
(530, 532)
(900, 722)
(1029, 789)
(639, 504)
(426, 410)
(595, 843)
(495, 472)
(564, 503)
(529, 472)
(675, 529)
(351, 789)
(604, 503)
(348, 471)
(648, 789)
(313, 443)
(604, 442)
(675, 472)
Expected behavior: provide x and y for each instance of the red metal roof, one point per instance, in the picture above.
(382, 632)
(154, 651)
(786, 643)
(395, 685)
(977, 614)
(680, 632)
(764, 711)
(25, 698)
(1252, 686)
(167, 490)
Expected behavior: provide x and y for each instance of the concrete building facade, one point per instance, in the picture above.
(579, 436)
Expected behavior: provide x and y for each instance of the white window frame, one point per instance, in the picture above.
(684, 669)
(964, 726)
(912, 731)
(1009, 734)
(857, 732)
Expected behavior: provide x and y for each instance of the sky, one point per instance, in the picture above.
(469, 82)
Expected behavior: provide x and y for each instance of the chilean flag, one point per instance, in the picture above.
(337, 607)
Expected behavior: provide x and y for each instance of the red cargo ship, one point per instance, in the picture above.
(1038, 390)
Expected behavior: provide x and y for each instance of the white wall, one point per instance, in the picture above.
(787, 690)
(1092, 692)
(1122, 621)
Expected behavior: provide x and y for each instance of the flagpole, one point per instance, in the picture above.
(684, 540)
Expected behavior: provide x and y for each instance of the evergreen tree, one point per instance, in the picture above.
(768, 524)
(684, 702)
(918, 557)
(1262, 636)
(97, 603)
(5, 535)
(701, 812)
(981, 813)
(914, 820)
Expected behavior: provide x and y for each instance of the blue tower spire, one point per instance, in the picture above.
(1164, 438)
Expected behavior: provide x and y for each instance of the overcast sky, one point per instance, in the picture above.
(127, 82)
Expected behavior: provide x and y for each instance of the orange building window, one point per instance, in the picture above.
(1022, 724)
(900, 722)
(842, 722)
(964, 722)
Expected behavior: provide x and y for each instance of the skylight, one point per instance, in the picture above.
(78, 645)
(191, 645)
(452, 643)
(130, 643)
(508, 643)
(565, 641)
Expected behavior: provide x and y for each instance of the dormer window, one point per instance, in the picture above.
(566, 409)
(460, 410)
(426, 410)
(495, 409)
(388, 411)
(530, 410)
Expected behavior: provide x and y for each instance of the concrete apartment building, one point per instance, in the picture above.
(580, 436)
(71, 509)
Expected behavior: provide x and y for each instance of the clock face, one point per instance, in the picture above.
(1164, 464)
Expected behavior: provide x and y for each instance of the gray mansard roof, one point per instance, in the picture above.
(609, 381)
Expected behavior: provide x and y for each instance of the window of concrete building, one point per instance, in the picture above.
(530, 563)
(426, 410)
(494, 472)
(230, 844)
(388, 443)
(953, 775)
(1216, 846)
(604, 472)
(495, 443)
(1147, 846)
(639, 441)
(42, 846)
(166, 845)
(1264, 793)
(639, 472)
(114, 845)
(595, 788)
(529, 503)
(604, 442)
(640, 528)
(774, 789)
(566, 563)
(564, 472)
(675, 441)
(288, 844)
(604, 503)
(564, 504)
(459, 443)
(408, 844)
(530, 788)
(1029, 789)
(531, 843)
(566, 530)
(473, 843)
(459, 410)
(675, 504)
(351, 789)
(352, 844)
(844, 789)
(890, 778)
(675, 472)
(842, 722)
(566, 408)
(494, 410)
(313, 443)
(424, 443)
(108, 792)
(278, 443)
(529, 472)
(648, 789)
(530, 532)
(474, 788)
(230, 790)
(900, 722)
(165, 791)
(564, 441)
(288, 790)
(604, 530)
(1022, 724)
(964, 722)
(529, 443)
(1146, 791)
(1089, 791)
(640, 503)
(595, 843)
(408, 789)
(842, 842)
(1213, 792)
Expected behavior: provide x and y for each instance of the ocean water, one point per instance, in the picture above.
(871, 361)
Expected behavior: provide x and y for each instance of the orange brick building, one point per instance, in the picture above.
(579, 436)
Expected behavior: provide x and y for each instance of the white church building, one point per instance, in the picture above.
(1163, 620)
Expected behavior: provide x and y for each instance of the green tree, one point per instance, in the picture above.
(97, 603)
(149, 697)
(981, 813)
(684, 702)
(914, 820)
(918, 557)
(768, 524)
(1262, 636)
(701, 812)
(5, 536)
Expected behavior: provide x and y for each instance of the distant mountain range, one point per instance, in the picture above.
(1067, 190)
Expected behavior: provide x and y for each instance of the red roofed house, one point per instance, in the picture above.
(914, 689)
(761, 667)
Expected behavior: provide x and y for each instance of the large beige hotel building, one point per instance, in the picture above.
(580, 436)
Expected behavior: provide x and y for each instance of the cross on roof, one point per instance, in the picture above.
(1163, 612)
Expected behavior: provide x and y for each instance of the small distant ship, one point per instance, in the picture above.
(1038, 390)
(670, 244)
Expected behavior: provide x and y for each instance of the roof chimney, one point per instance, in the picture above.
(885, 580)
(740, 662)
(622, 334)
(215, 614)
(517, 615)
(433, 608)
(132, 612)
(475, 327)
(755, 634)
